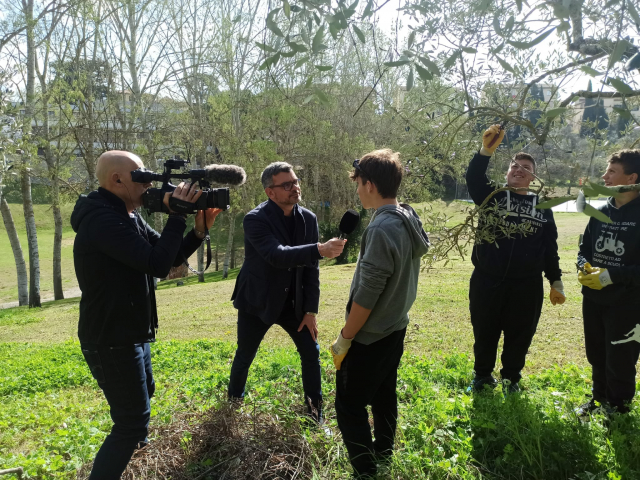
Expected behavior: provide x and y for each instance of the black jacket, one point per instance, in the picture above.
(272, 258)
(517, 257)
(616, 247)
(116, 257)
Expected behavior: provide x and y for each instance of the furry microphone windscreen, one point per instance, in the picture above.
(225, 174)
(349, 222)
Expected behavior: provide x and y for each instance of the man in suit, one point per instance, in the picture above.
(279, 282)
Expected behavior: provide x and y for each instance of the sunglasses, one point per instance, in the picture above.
(356, 165)
(287, 186)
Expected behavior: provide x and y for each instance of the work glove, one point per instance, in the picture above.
(557, 293)
(491, 139)
(596, 279)
(588, 268)
(339, 349)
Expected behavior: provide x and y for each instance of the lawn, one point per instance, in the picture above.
(52, 417)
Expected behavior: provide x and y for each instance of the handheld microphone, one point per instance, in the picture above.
(349, 222)
(222, 174)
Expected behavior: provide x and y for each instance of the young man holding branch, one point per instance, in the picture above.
(368, 350)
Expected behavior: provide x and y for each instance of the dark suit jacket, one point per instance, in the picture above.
(272, 258)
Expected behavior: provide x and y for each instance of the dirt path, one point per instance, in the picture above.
(74, 292)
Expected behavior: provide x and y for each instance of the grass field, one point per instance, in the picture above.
(52, 416)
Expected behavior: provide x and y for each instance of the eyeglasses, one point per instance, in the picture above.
(287, 186)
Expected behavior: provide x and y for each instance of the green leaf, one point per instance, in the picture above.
(412, 38)
(633, 12)
(290, 54)
(623, 112)
(552, 202)
(321, 96)
(308, 99)
(496, 25)
(423, 73)
(505, 65)
(287, 8)
(431, 66)
(597, 214)
(265, 47)
(295, 8)
(307, 84)
(590, 71)
(564, 26)
(317, 18)
(397, 63)
(484, 5)
(532, 43)
(554, 112)
(469, 50)
(323, 68)
(334, 28)
(368, 11)
(620, 86)
(560, 10)
(519, 5)
(316, 44)
(618, 51)
(509, 25)
(410, 80)
(359, 33)
(602, 190)
(301, 62)
(298, 47)
(273, 26)
(452, 60)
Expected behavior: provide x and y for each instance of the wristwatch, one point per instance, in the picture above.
(311, 313)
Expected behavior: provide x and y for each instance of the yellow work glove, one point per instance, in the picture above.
(491, 139)
(597, 279)
(588, 268)
(339, 349)
(557, 293)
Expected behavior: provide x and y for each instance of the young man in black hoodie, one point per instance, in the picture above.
(610, 259)
(506, 291)
(116, 255)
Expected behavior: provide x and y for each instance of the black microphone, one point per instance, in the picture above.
(223, 174)
(349, 222)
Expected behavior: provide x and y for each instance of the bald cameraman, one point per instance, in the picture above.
(116, 255)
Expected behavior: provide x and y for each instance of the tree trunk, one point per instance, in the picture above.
(58, 293)
(227, 254)
(158, 222)
(21, 267)
(32, 236)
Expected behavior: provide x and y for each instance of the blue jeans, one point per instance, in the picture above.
(251, 331)
(125, 376)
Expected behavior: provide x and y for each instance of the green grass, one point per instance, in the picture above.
(53, 417)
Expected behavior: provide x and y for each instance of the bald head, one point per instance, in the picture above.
(116, 165)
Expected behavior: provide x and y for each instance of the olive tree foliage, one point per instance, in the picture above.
(490, 55)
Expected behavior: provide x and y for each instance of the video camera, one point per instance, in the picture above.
(153, 198)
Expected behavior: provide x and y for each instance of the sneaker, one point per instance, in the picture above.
(479, 383)
(509, 387)
(593, 407)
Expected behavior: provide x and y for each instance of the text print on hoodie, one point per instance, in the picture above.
(386, 276)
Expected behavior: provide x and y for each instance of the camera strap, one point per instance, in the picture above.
(207, 239)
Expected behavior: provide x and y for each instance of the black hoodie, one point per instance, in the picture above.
(517, 257)
(116, 256)
(616, 247)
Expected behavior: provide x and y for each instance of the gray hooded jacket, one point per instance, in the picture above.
(386, 276)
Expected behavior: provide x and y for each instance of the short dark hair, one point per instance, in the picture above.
(274, 169)
(524, 156)
(629, 159)
(383, 169)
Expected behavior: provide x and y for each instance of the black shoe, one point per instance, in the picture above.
(592, 407)
(509, 387)
(479, 384)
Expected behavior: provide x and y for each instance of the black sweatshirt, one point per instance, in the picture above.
(517, 257)
(614, 246)
(116, 257)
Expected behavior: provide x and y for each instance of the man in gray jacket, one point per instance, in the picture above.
(382, 292)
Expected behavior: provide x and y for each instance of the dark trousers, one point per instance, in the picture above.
(251, 331)
(368, 376)
(125, 376)
(612, 341)
(512, 306)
